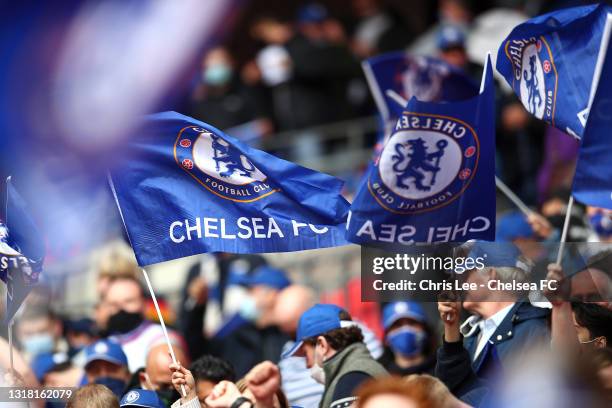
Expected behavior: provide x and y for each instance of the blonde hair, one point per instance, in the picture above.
(93, 396)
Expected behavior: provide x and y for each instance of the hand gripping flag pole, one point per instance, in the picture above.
(161, 322)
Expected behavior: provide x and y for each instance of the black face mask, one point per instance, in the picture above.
(168, 396)
(123, 322)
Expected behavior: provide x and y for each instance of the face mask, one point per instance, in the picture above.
(38, 344)
(168, 396)
(123, 322)
(602, 224)
(406, 341)
(217, 74)
(316, 371)
(248, 309)
(116, 385)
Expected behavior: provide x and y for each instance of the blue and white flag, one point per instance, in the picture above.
(187, 188)
(434, 180)
(551, 62)
(593, 179)
(22, 251)
(426, 78)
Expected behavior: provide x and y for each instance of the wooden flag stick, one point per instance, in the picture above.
(163, 325)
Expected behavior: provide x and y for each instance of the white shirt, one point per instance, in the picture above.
(488, 327)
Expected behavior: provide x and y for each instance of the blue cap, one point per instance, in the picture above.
(43, 363)
(512, 225)
(394, 311)
(268, 276)
(497, 254)
(317, 320)
(450, 36)
(105, 350)
(141, 398)
(312, 13)
(84, 325)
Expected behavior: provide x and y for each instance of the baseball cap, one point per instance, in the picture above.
(312, 13)
(512, 225)
(394, 311)
(105, 350)
(450, 36)
(44, 363)
(268, 276)
(317, 320)
(141, 398)
(497, 254)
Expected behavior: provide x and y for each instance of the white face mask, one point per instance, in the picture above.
(316, 371)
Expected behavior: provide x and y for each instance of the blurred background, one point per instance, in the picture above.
(285, 76)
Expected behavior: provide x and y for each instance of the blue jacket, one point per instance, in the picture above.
(523, 327)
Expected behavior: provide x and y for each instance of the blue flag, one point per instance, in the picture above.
(188, 188)
(426, 78)
(593, 179)
(550, 62)
(22, 251)
(433, 181)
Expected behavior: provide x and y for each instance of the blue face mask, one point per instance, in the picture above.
(602, 224)
(116, 385)
(38, 344)
(217, 74)
(406, 341)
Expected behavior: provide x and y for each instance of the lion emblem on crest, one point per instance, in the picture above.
(414, 163)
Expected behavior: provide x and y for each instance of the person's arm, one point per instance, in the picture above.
(563, 332)
(182, 378)
(264, 381)
(21, 367)
(453, 364)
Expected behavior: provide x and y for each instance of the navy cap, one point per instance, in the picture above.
(268, 276)
(450, 36)
(84, 325)
(141, 398)
(497, 254)
(394, 311)
(44, 363)
(318, 320)
(312, 13)
(512, 225)
(105, 350)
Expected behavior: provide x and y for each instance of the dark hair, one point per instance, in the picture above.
(213, 369)
(596, 319)
(338, 339)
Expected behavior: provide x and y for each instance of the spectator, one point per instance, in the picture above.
(79, 334)
(301, 389)
(414, 391)
(601, 222)
(156, 375)
(39, 332)
(56, 370)
(126, 303)
(258, 339)
(220, 98)
(408, 339)
(593, 324)
(208, 371)
(138, 398)
(501, 327)
(335, 353)
(93, 396)
(107, 364)
(603, 361)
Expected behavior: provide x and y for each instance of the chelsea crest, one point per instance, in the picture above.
(426, 164)
(219, 166)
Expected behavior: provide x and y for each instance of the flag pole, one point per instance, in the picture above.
(161, 321)
(568, 213)
(512, 197)
(10, 342)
